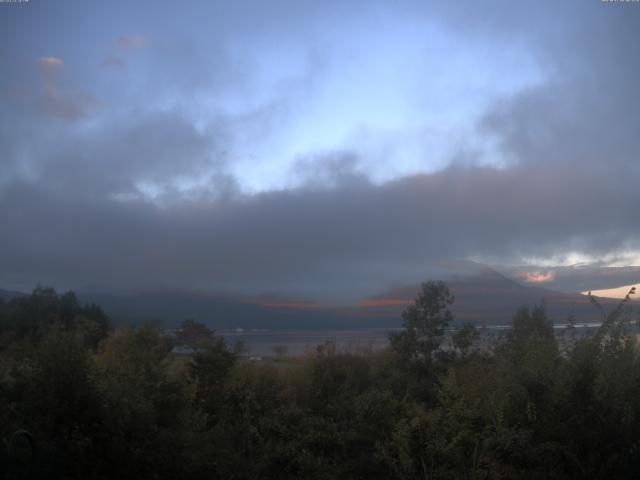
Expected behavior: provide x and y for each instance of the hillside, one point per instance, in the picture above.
(7, 295)
(482, 295)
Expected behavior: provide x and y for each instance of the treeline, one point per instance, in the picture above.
(79, 400)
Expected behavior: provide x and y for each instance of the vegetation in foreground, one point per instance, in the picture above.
(78, 400)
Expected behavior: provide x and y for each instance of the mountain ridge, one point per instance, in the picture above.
(482, 295)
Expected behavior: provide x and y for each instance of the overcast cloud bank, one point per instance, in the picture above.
(195, 164)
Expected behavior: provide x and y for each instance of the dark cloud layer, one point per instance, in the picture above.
(354, 236)
(146, 198)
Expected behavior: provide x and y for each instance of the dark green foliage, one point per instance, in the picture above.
(417, 345)
(465, 337)
(79, 401)
(209, 370)
(193, 334)
(423, 323)
(30, 318)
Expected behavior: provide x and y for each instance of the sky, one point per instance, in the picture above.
(324, 150)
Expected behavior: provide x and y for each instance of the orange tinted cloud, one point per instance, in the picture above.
(537, 277)
(57, 100)
(50, 62)
(383, 302)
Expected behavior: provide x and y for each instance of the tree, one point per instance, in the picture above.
(32, 316)
(280, 351)
(465, 337)
(194, 334)
(424, 323)
(52, 396)
(143, 406)
(240, 348)
(209, 369)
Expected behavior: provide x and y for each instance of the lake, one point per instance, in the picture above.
(296, 342)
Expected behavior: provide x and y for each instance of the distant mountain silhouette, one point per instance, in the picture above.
(226, 311)
(482, 295)
(9, 294)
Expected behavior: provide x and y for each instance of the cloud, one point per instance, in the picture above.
(329, 170)
(58, 101)
(49, 70)
(584, 116)
(149, 192)
(148, 154)
(50, 62)
(581, 278)
(537, 277)
(344, 241)
(114, 61)
(131, 41)
(69, 106)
